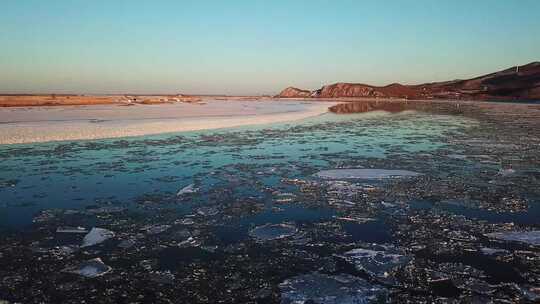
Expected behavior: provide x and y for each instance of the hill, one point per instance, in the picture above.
(521, 82)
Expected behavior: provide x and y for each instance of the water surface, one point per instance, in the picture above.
(214, 239)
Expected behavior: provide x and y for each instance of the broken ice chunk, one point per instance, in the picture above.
(493, 251)
(64, 250)
(378, 261)
(355, 219)
(207, 211)
(96, 236)
(365, 174)
(69, 229)
(106, 209)
(156, 229)
(345, 189)
(528, 237)
(45, 216)
(457, 156)
(162, 277)
(321, 288)
(189, 189)
(127, 243)
(475, 285)
(190, 242)
(90, 269)
(284, 198)
(270, 232)
(507, 172)
(531, 293)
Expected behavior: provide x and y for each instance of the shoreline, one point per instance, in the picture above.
(24, 125)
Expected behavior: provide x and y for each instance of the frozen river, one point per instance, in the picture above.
(417, 203)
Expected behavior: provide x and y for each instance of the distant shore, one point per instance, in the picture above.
(96, 121)
(33, 100)
(53, 100)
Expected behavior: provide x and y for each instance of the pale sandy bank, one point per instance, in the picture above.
(42, 124)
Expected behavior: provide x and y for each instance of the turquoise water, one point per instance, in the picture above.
(78, 174)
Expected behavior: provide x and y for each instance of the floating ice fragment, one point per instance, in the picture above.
(185, 221)
(207, 211)
(190, 242)
(492, 251)
(476, 285)
(531, 293)
(156, 229)
(507, 172)
(387, 205)
(457, 156)
(69, 229)
(162, 277)
(365, 174)
(96, 236)
(128, 243)
(106, 209)
(285, 198)
(378, 262)
(344, 188)
(528, 237)
(321, 288)
(270, 232)
(356, 219)
(189, 189)
(45, 216)
(64, 250)
(90, 269)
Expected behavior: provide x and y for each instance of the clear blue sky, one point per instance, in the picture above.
(251, 46)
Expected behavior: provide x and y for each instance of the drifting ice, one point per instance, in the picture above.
(365, 174)
(96, 236)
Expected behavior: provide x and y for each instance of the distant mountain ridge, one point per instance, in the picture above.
(521, 82)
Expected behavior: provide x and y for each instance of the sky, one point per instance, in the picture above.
(245, 47)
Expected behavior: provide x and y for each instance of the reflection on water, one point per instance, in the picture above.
(369, 106)
(233, 214)
(395, 107)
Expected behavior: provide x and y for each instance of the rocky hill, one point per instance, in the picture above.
(522, 82)
(292, 92)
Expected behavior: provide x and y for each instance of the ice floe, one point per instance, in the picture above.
(507, 172)
(330, 289)
(528, 237)
(207, 211)
(90, 269)
(189, 189)
(365, 174)
(493, 251)
(530, 293)
(69, 229)
(378, 261)
(155, 229)
(96, 236)
(162, 277)
(127, 243)
(270, 232)
(106, 209)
